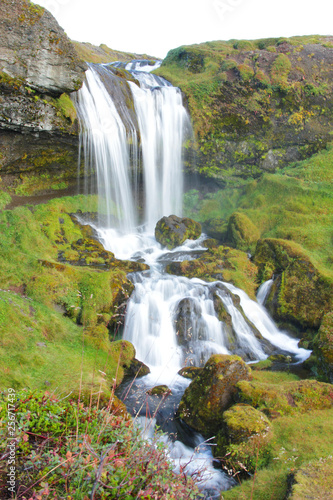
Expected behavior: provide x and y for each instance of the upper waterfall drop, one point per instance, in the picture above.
(114, 138)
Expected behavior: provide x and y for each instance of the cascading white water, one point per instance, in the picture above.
(264, 290)
(109, 141)
(105, 145)
(163, 123)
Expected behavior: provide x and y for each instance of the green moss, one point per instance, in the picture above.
(288, 398)
(295, 443)
(66, 106)
(311, 476)
(242, 233)
(280, 70)
(323, 349)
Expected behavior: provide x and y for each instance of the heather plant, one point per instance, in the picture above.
(66, 450)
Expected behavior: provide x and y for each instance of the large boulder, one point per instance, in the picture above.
(212, 392)
(34, 48)
(172, 231)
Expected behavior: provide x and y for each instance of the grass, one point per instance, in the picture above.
(40, 347)
(296, 442)
(295, 204)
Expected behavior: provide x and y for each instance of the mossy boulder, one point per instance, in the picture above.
(136, 369)
(242, 233)
(323, 349)
(244, 438)
(301, 294)
(244, 428)
(172, 231)
(212, 392)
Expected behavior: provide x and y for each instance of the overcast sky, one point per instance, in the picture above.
(156, 26)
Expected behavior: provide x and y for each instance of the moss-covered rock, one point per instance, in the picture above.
(242, 233)
(136, 369)
(323, 349)
(243, 438)
(212, 392)
(300, 294)
(159, 390)
(243, 421)
(172, 231)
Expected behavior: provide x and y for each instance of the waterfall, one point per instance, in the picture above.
(132, 133)
(109, 140)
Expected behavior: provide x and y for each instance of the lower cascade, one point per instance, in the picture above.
(173, 322)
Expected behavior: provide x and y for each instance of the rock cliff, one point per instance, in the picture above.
(38, 127)
(255, 105)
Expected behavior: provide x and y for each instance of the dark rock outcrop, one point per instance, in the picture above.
(172, 231)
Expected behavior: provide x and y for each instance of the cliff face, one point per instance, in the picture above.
(256, 106)
(38, 126)
(35, 48)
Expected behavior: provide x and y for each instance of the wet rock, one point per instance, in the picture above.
(187, 321)
(159, 390)
(172, 231)
(212, 392)
(136, 369)
(190, 372)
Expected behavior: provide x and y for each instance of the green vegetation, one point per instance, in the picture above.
(66, 106)
(39, 345)
(294, 204)
(68, 450)
(295, 443)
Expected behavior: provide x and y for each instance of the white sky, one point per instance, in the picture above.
(156, 26)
